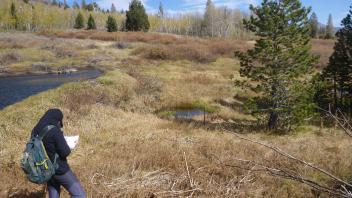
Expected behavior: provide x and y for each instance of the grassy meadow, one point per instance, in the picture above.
(131, 146)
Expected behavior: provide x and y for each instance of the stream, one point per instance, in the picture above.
(14, 89)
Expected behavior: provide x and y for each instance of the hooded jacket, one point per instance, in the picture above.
(54, 141)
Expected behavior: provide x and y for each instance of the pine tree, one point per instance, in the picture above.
(329, 28)
(111, 24)
(90, 7)
(161, 10)
(83, 4)
(339, 72)
(13, 10)
(280, 58)
(209, 19)
(314, 24)
(14, 17)
(96, 7)
(79, 22)
(55, 3)
(75, 5)
(113, 8)
(91, 23)
(66, 5)
(136, 17)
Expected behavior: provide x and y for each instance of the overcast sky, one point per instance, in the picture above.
(338, 8)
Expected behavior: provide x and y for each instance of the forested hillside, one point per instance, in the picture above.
(35, 15)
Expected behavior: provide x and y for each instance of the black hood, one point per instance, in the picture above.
(51, 117)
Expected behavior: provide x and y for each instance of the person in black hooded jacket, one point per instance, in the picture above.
(55, 143)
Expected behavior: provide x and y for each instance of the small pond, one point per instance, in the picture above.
(14, 89)
(189, 114)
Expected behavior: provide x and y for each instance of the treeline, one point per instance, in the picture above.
(27, 15)
(33, 16)
(321, 31)
(215, 22)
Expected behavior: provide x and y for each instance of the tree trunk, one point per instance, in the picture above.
(273, 119)
(335, 95)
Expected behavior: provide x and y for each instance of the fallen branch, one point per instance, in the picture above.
(340, 119)
(291, 174)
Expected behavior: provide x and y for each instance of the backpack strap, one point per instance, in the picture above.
(46, 129)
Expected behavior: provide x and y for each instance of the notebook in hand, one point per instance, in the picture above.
(72, 141)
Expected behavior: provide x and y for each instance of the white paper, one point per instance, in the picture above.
(72, 141)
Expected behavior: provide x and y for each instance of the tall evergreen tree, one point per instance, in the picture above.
(111, 24)
(329, 28)
(314, 25)
(83, 4)
(209, 19)
(13, 10)
(66, 5)
(136, 17)
(55, 3)
(161, 10)
(96, 7)
(79, 22)
(280, 58)
(339, 71)
(75, 5)
(90, 7)
(113, 8)
(91, 23)
(14, 17)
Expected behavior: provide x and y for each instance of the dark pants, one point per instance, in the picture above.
(69, 181)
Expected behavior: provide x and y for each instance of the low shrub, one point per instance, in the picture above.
(10, 57)
(192, 52)
(79, 99)
(63, 52)
(121, 45)
(92, 46)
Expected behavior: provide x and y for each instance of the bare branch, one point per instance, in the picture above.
(340, 119)
(292, 175)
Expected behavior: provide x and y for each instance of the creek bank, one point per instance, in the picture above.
(14, 89)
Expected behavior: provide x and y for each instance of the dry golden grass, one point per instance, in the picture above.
(126, 154)
(126, 150)
(323, 48)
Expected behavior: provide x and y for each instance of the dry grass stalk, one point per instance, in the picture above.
(291, 174)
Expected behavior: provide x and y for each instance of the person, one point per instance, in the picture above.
(55, 143)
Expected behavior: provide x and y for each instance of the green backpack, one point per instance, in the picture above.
(35, 162)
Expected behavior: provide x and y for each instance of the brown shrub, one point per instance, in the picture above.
(10, 57)
(159, 52)
(121, 45)
(80, 100)
(195, 52)
(192, 52)
(166, 46)
(146, 84)
(92, 46)
(213, 47)
(63, 52)
(9, 43)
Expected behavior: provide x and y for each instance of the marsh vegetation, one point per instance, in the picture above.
(134, 138)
